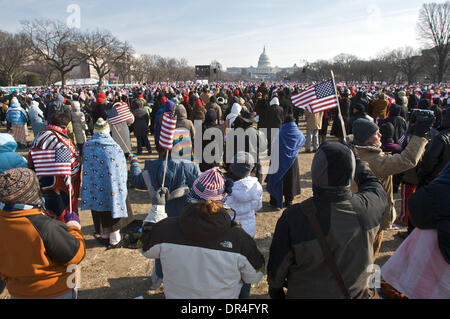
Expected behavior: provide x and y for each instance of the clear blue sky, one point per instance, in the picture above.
(234, 32)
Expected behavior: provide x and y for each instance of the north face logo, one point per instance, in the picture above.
(226, 244)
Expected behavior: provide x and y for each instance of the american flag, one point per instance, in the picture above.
(119, 113)
(317, 98)
(168, 126)
(52, 162)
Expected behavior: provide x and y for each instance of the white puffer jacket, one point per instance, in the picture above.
(246, 199)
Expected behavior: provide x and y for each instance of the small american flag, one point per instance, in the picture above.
(168, 126)
(317, 98)
(52, 162)
(119, 113)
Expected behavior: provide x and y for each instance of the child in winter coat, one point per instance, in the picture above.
(245, 199)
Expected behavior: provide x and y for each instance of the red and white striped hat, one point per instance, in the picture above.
(211, 185)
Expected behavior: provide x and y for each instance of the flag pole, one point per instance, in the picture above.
(70, 193)
(341, 119)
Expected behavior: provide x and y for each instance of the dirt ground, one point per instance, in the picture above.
(125, 273)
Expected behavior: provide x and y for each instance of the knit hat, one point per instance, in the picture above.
(211, 185)
(34, 104)
(220, 100)
(387, 132)
(243, 164)
(275, 101)
(334, 165)
(14, 100)
(101, 126)
(20, 186)
(363, 129)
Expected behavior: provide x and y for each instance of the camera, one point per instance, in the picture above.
(420, 116)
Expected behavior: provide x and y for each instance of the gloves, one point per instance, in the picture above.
(72, 218)
(161, 197)
(133, 159)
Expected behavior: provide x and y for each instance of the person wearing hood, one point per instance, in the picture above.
(104, 189)
(234, 113)
(378, 109)
(182, 120)
(203, 236)
(55, 106)
(36, 116)
(420, 268)
(348, 221)
(140, 126)
(9, 159)
(39, 251)
(79, 125)
(18, 118)
(285, 181)
(367, 139)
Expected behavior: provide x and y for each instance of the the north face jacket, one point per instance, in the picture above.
(204, 257)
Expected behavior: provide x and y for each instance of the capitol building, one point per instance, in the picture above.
(264, 70)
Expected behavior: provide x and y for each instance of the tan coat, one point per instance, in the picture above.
(313, 121)
(384, 166)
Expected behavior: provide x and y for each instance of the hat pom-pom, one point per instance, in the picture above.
(229, 186)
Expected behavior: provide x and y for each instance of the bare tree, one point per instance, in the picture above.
(57, 44)
(434, 30)
(14, 54)
(103, 51)
(406, 61)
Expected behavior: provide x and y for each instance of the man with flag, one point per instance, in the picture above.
(119, 119)
(315, 100)
(56, 161)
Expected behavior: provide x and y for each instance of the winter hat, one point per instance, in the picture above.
(424, 104)
(220, 100)
(387, 132)
(363, 129)
(211, 116)
(14, 100)
(34, 104)
(211, 185)
(20, 186)
(101, 127)
(275, 101)
(334, 165)
(76, 106)
(243, 164)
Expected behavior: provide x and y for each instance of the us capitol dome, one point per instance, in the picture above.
(264, 61)
(263, 71)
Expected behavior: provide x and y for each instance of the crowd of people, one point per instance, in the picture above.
(201, 229)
